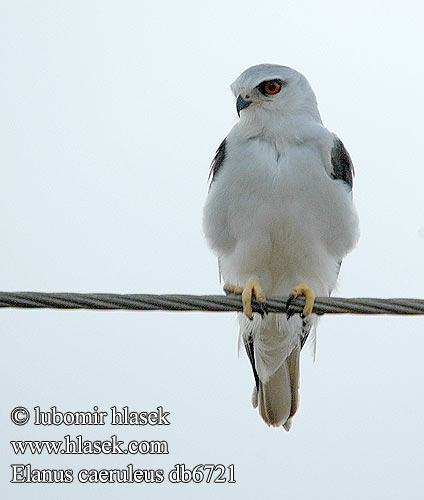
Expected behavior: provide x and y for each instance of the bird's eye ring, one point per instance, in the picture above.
(270, 87)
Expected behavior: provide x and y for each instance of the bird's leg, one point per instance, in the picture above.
(302, 290)
(247, 291)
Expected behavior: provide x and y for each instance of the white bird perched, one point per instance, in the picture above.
(279, 214)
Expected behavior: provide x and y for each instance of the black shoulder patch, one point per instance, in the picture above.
(342, 163)
(217, 161)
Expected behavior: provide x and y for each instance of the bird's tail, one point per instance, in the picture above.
(278, 398)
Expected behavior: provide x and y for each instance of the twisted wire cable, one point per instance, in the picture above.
(147, 302)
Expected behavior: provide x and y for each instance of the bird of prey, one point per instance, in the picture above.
(280, 217)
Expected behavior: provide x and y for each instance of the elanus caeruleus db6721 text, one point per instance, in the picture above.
(280, 217)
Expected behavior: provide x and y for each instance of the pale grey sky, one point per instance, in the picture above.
(111, 113)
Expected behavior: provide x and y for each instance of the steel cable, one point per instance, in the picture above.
(147, 302)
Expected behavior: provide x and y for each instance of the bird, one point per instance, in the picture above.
(279, 215)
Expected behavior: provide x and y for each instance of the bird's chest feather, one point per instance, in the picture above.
(271, 190)
(272, 206)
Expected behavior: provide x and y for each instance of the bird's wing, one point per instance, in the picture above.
(341, 163)
(340, 167)
(216, 165)
(217, 162)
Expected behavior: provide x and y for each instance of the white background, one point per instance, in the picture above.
(111, 113)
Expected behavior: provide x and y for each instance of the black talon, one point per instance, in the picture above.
(263, 309)
(289, 311)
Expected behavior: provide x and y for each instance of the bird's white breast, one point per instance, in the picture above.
(273, 212)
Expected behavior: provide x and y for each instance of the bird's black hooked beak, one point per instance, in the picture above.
(242, 104)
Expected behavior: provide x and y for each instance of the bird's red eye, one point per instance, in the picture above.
(272, 87)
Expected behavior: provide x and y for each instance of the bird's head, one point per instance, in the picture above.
(267, 90)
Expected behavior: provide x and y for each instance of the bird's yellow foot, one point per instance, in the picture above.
(302, 290)
(252, 287)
